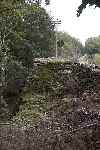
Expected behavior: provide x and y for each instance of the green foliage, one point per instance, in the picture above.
(15, 70)
(11, 93)
(26, 31)
(34, 107)
(61, 78)
(43, 80)
(70, 45)
(85, 77)
(97, 59)
(92, 45)
(51, 88)
(38, 29)
(15, 4)
(95, 3)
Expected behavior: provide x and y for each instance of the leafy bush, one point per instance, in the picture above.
(33, 108)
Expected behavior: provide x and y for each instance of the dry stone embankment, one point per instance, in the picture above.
(72, 121)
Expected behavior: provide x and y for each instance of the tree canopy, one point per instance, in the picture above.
(26, 31)
(92, 45)
(70, 45)
(95, 3)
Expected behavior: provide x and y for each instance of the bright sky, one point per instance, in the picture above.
(83, 27)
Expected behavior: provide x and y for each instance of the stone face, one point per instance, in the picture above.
(65, 77)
